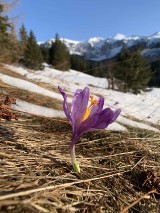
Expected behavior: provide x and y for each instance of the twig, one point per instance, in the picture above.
(137, 201)
(138, 162)
(107, 156)
(39, 208)
(28, 192)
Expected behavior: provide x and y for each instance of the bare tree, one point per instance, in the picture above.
(8, 5)
(8, 39)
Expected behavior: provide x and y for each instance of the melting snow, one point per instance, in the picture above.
(36, 109)
(26, 85)
(145, 107)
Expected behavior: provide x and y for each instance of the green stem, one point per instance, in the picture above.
(73, 160)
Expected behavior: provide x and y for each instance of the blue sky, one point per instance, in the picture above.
(84, 19)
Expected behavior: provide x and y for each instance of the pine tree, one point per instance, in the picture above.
(58, 55)
(23, 39)
(4, 35)
(4, 25)
(155, 66)
(45, 53)
(9, 49)
(79, 63)
(132, 70)
(32, 54)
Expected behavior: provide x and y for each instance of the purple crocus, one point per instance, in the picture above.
(86, 114)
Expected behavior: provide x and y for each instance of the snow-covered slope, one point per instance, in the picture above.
(105, 48)
(140, 111)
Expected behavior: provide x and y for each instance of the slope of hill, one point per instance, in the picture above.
(144, 108)
(119, 167)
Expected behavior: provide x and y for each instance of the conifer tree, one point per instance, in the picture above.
(132, 70)
(59, 57)
(32, 54)
(155, 66)
(3, 25)
(45, 53)
(79, 63)
(4, 35)
(9, 50)
(23, 39)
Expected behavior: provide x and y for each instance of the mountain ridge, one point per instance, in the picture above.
(98, 48)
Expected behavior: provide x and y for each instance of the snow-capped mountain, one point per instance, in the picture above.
(98, 48)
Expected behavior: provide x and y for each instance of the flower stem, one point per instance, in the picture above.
(73, 160)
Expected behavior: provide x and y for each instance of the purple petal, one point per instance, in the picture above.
(115, 115)
(97, 108)
(101, 102)
(78, 91)
(100, 120)
(106, 117)
(97, 121)
(79, 106)
(65, 105)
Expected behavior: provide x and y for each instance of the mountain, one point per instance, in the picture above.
(97, 49)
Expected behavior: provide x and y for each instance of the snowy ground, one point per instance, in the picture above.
(143, 107)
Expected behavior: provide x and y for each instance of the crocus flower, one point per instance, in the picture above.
(86, 114)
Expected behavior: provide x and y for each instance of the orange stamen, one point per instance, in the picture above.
(93, 102)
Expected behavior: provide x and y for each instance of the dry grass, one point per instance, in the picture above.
(6, 71)
(30, 97)
(119, 171)
(36, 174)
(11, 73)
(26, 95)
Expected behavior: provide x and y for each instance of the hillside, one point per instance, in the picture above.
(137, 110)
(119, 165)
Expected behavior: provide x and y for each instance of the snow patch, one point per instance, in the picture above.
(119, 37)
(37, 110)
(145, 106)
